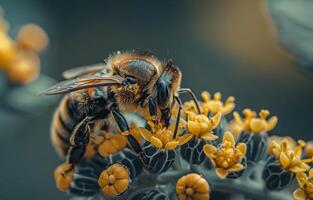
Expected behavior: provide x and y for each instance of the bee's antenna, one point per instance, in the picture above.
(193, 96)
(178, 115)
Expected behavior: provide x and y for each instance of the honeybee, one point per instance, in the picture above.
(134, 81)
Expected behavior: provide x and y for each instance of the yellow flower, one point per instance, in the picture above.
(216, 105)
(162, 137)
(192, 187)
(112, 143)
(290, 159)
(200, 126)
(306, 186)
(114, 180)
(227, 158)
(210, 106)
(309, 149)
(62, 179)
(254, 124)
(275, 142)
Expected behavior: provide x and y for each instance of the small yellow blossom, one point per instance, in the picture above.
(276, 141)
(162, 137)
(227, 158)
(306, 186)
(200, 126)
(216, 105)
(211, 106)
(254, 124)
(192, 187)
(112, 143)
(62, 179)
(114, 180)
(290, 159)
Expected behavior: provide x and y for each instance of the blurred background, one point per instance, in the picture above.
(258, 51)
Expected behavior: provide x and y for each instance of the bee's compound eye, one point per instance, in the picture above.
(131, 79)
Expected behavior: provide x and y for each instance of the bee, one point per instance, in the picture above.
(134, 81)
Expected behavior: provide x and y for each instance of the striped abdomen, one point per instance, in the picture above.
(64, 120)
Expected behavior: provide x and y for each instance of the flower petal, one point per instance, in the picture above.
(236, 167)
(215, 120)
(311, 173)
(222, 173)
(284, 160)
(171, 145)
(228, 138)
(180, 185)
(156, 142)
(193, 127)
(146, 134)
(301, 178)
(209, 137)
(185, 138)
(201, 186)
(209, 150)
(121, 185)
(228, 108)
(238, 119)
(299, 194)
(200, 196)
(271, 123)
(242, 148)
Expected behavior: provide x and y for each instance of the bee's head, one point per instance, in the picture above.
(138, 74)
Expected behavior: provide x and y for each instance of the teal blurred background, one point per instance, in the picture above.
(228, 46)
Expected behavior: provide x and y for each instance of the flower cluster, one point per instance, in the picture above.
(253, 123)
(195, 151)
(210, 105)
(290, 157)
(19, 59)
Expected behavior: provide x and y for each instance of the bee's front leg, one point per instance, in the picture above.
(79, 141)
(133, 143)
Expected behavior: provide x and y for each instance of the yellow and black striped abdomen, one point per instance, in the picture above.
(64, 120)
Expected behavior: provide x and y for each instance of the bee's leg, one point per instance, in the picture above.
(79, 141)
(163, 99)
(133, 143)
(178, 115)
(193, 96)
(74, 156)
(153, 109)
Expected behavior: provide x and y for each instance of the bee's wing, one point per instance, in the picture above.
(85, 70)
(81, 83)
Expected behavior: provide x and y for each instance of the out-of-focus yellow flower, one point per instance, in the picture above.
(32, 36)
(276, 141)
(290, 159)
(19, 59)
(162, 137)
(211, 106)
(309, 149)
(200, 126)
(227, 158)
(114, 180)
(234, 128)
(192, 187)
(254, 124)
(306, 186)
(112, 143)
(63, 177)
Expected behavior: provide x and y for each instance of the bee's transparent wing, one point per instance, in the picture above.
(81, 83)
(85, 70)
